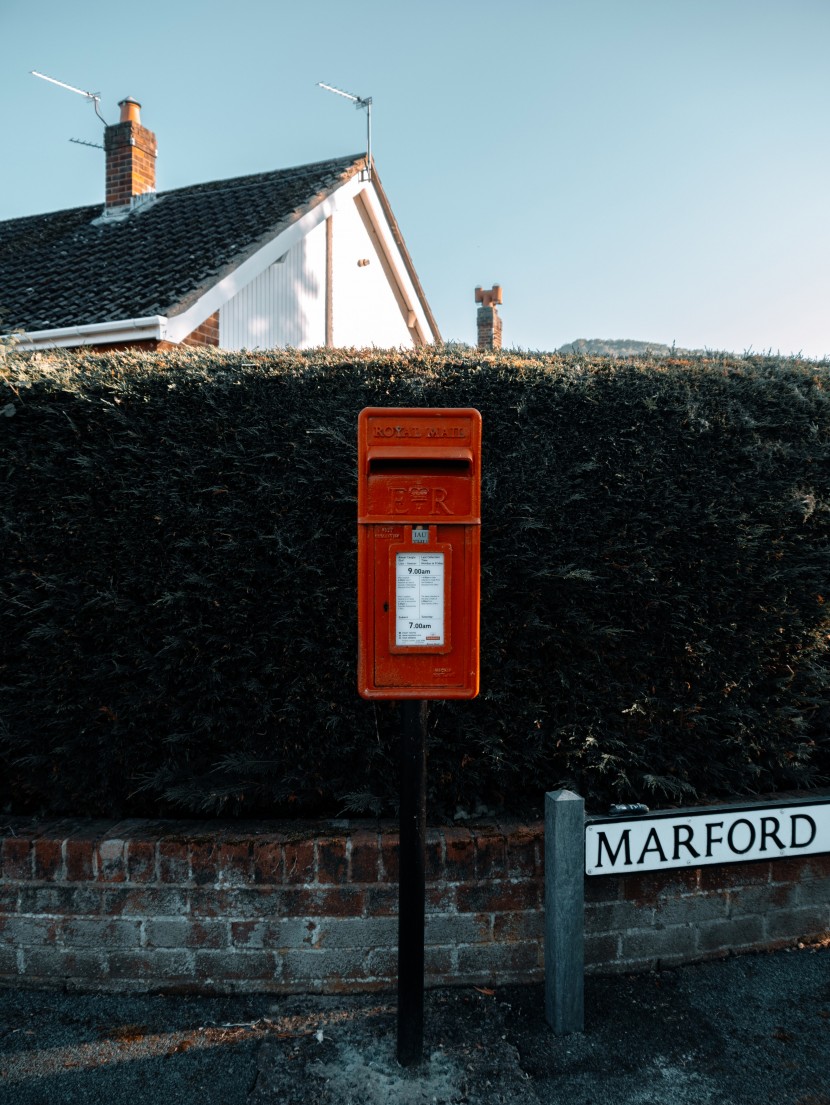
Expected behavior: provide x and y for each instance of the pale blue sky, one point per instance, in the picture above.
(648, 169)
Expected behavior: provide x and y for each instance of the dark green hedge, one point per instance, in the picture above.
(178, 601)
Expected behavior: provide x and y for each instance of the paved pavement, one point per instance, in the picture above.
(753, 1030)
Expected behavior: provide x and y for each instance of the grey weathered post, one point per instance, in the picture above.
(564, 911)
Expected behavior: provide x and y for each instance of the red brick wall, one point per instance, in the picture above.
(150, 344)
(130, 162)
(138, 905)
(667, 918)
(206, 334)
(488, 325)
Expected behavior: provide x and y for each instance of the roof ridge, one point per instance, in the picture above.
(258, 178)
(90, 207)
(227, 182)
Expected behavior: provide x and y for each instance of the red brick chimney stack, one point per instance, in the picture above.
(131, 157)
(489, 323)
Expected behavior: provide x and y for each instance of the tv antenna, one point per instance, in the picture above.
(358, 101)
(91, 97)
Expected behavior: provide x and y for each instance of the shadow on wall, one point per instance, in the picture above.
(284, 306)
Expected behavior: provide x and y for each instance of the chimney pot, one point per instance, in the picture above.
(130, 110)
(490, 297)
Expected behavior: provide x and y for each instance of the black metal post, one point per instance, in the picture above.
(413, 714)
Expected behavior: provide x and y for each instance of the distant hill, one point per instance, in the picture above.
(618, 347)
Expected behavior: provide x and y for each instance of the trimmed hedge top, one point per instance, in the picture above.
(177, 530)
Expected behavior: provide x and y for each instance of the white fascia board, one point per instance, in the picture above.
(151, 327)
(179, 326)
(413, 300)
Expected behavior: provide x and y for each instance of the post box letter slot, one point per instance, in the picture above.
(404, 466)
(388, 460)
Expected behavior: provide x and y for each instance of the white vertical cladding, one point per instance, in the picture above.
(285, 305)
(365, 309)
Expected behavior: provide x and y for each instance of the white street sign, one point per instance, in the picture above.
(694, 838)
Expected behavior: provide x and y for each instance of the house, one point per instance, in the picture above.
(303, 257)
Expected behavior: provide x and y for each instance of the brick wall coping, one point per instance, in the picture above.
(255, 852)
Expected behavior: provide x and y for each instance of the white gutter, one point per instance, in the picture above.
(150, 327)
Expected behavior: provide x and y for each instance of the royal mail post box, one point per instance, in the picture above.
(419, 524)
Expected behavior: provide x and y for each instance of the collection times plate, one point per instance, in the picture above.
(419, 599)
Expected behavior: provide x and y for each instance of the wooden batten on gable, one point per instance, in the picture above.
(329, 282)
(406, 310)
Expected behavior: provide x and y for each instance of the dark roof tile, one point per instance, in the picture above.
(65, 269)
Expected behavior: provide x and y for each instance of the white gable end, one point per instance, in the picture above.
(341, 283)
(285, 305)
(365, 309)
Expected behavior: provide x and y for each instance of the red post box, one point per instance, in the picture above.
(419, 524)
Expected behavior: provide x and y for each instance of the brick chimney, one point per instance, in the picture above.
(131, 157)
(489, 323)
